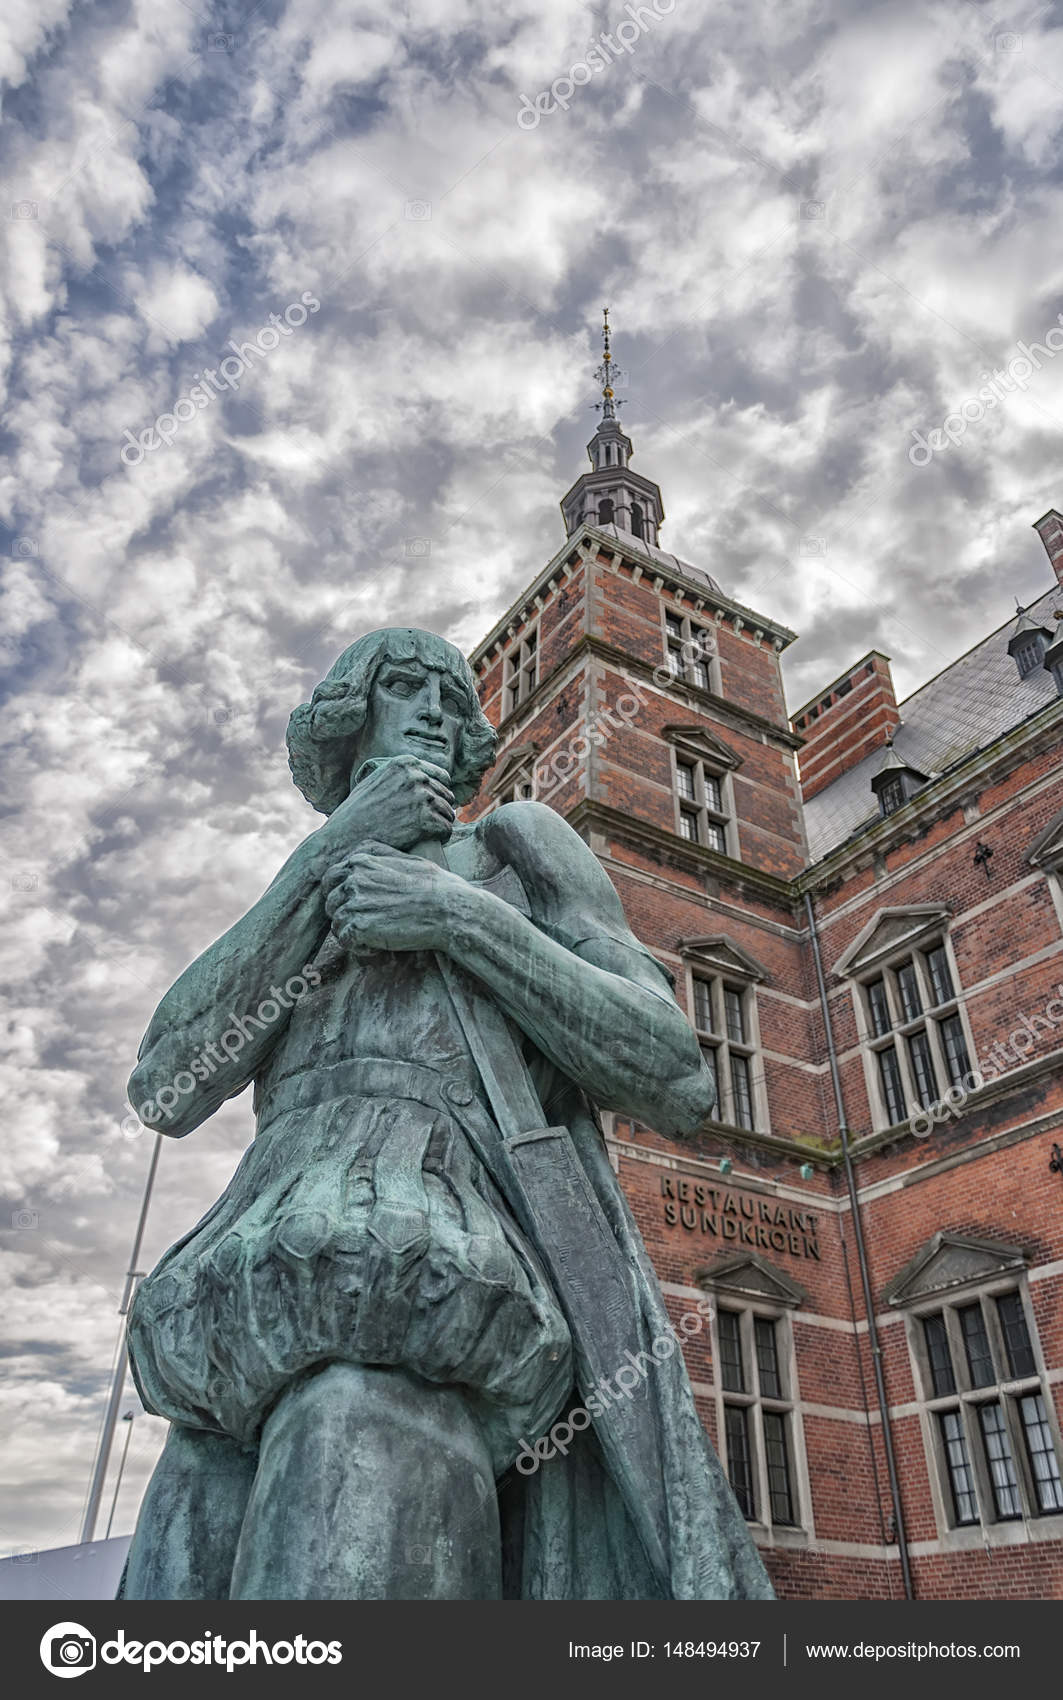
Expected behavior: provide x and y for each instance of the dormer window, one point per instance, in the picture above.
(1052, 659)
(1029, 654)
(895, 782)
(1027, 644)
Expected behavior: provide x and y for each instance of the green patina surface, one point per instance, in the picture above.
(362, 1342)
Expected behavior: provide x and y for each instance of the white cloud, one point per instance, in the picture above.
(177, 302)
(177, 610)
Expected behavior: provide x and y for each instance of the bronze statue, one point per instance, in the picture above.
(387, 1352)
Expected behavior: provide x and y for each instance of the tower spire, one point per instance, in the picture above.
(607, 374)
(611, 494)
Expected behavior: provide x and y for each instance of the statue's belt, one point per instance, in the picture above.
(368, 1077)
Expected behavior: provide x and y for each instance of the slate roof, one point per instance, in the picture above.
(967, 706)
(638, 546)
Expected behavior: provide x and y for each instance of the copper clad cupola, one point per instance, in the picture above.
(611, 494)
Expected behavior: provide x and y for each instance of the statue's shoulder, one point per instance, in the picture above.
(554, 864)
(530, 833)
(570, 894)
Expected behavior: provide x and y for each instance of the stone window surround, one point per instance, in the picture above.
(771, 1296)
(520, 668)
(915, 946)
(722, 964)
(988, 1530)
(707, 763)
(1046, 855)
(701, 805)
(690, 628)
(515, 779)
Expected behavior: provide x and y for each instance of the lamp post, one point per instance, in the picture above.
(128, 1418)
(133, 1275)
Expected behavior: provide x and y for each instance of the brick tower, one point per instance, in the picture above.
(911, 1443)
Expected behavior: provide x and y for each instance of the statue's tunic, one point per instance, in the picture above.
(363, 1224)
(360, 1225)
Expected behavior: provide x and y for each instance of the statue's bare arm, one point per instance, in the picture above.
(575, 979)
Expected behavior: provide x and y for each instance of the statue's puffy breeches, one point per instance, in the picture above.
(360, 1227)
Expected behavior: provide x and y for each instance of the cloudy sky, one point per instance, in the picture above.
(820, 227)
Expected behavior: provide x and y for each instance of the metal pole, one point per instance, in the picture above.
(861, 1258)
(133, 1275)
(128, 1418)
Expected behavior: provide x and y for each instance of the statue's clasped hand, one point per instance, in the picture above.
(406, 800)
(379, 898)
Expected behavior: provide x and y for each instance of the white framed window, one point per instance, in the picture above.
(916, 1037)
(724, 1019)
(760, 1433)
(1029, 653)
(690, 651)
(520, 669)
(703, 808)
(989, 1426)
(760, 1440)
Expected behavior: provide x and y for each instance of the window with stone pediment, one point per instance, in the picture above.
(1046, 854)
(514, 781)
(721, 998)
(704, 796)
(989, 1426)
(910, 1011)
(761, 1440)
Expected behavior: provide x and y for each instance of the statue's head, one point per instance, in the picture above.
(393, 692)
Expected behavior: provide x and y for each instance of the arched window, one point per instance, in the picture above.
(605, 511)
(637, 527)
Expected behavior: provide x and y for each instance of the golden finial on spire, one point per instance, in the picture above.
(607, 373)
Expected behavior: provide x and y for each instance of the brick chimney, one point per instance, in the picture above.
(1050, 531)
(856, 715)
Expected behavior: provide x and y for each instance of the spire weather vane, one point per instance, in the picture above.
(608, 374)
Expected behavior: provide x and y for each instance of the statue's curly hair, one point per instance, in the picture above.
(323, 733)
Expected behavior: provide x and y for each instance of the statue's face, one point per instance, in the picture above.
(415, 710)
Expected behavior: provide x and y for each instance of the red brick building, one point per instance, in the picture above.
(862, 906)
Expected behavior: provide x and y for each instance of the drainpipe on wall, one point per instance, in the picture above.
(861, 1257)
